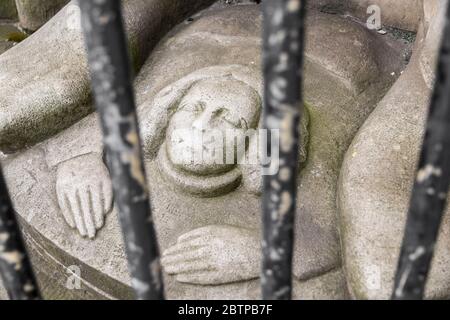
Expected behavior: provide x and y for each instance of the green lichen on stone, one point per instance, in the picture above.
(9, 32)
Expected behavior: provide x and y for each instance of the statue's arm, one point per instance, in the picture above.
(44, 80)
(82, 138)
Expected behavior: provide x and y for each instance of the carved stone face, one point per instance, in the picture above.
(207, 112)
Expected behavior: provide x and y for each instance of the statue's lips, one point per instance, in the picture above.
(199, 185)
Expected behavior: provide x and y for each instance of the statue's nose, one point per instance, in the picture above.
(203, 121)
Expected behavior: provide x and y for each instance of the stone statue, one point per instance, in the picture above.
(202, 76)
(213, 98)
(41, 99)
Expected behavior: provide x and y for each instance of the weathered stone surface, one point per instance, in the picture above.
(44, 79)
(377, 177)
(8, 9)
(33, 14)
(347, 71)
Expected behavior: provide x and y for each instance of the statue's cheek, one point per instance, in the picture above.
(179, 147)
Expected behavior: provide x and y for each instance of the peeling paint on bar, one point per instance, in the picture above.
(111, 84)
(431, 186)
(283, 59)
(15, 266)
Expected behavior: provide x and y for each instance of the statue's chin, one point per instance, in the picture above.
(182, 159)
(217, 182)
(203, 169)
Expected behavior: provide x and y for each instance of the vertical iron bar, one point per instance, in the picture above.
(112, 86)
(430, 189)
(15, 266)
(283, 59)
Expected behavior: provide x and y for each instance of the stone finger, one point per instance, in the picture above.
(87, 212)
(182, 257)
(65, 208)
(107, 193)
(202, 277)
(187, 267)
(75, 208)
(184, 246)
(193, 234)
(97, 206)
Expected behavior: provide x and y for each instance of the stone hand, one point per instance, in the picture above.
(84, 192)
(214, 254)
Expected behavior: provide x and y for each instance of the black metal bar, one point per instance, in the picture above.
(283, 59)
(430, 189)
(15, 267)
(111, 83)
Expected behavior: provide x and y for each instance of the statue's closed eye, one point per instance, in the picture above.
(237, 123)
(227, 116)
(243, 124)
(221, 113)
(196, 108)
